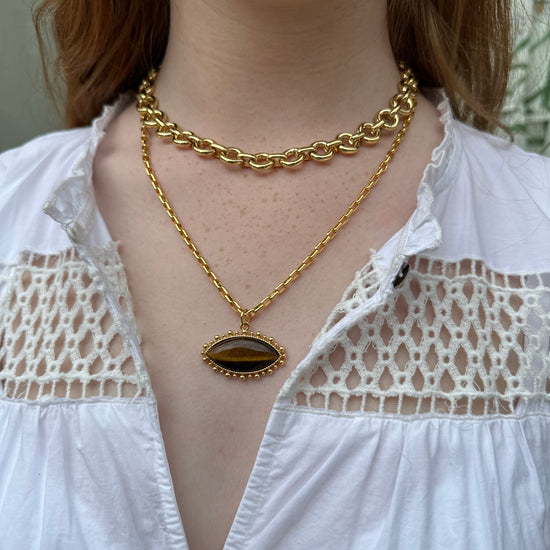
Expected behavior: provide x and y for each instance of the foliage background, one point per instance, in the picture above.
(527, 109)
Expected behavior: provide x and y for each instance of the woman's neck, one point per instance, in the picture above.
(272, 74)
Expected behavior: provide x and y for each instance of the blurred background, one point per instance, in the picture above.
(26, 111)
(527, 110)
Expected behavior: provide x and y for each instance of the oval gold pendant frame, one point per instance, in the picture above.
(254, 375)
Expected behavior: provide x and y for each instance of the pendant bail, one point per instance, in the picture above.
(245, 321)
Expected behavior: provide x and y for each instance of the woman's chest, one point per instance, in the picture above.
(212, 427)
(249, 236)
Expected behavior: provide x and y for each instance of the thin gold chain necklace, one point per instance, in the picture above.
(245, 354)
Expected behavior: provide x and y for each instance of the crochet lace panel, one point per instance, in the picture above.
(58, 338)
(455, 338)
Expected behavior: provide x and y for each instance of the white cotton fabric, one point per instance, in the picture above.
(82, 460)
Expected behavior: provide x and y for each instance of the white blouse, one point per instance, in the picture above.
(455, 363)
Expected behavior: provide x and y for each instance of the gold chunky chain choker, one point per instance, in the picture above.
(244, 354)
(367, 133)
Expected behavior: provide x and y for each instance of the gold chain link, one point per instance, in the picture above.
(367, 133)
(247, 314)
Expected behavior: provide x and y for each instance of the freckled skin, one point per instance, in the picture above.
(253, 229)
(252, 246)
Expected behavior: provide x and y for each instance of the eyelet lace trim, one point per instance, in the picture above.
(58, 338)
(456, 338)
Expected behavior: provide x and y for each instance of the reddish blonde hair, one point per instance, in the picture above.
(104, 48)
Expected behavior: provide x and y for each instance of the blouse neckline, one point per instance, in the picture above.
(72, 204)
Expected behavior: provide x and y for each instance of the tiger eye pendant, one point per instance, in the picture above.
(243, 355)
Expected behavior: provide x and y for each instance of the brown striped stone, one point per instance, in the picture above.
(243, 354)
